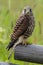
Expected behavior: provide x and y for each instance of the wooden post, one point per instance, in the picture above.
(30, 53)
(5, 63)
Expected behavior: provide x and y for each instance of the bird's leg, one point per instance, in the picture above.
(25, 42)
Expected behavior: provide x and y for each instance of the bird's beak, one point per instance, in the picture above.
(27, 11)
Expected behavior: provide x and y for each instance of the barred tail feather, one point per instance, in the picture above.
(10, 45)
(13, 48)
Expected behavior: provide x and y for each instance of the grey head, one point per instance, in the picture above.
(27, 10)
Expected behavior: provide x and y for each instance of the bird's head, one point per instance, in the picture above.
(27, 10)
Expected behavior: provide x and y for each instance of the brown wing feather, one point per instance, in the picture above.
(20, 27)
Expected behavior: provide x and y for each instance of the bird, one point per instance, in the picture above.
(23, 29)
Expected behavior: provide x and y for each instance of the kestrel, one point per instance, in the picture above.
(23, 29)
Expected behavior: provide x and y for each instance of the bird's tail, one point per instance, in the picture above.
(10, 45)
(13, 44)
(13, 48)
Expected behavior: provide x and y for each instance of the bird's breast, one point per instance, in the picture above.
(30, 28)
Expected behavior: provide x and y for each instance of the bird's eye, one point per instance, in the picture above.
(30, 10)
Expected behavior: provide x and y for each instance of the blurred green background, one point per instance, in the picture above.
(9, 12)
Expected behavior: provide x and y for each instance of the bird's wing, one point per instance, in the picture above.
(20, 27)
(19, 30)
